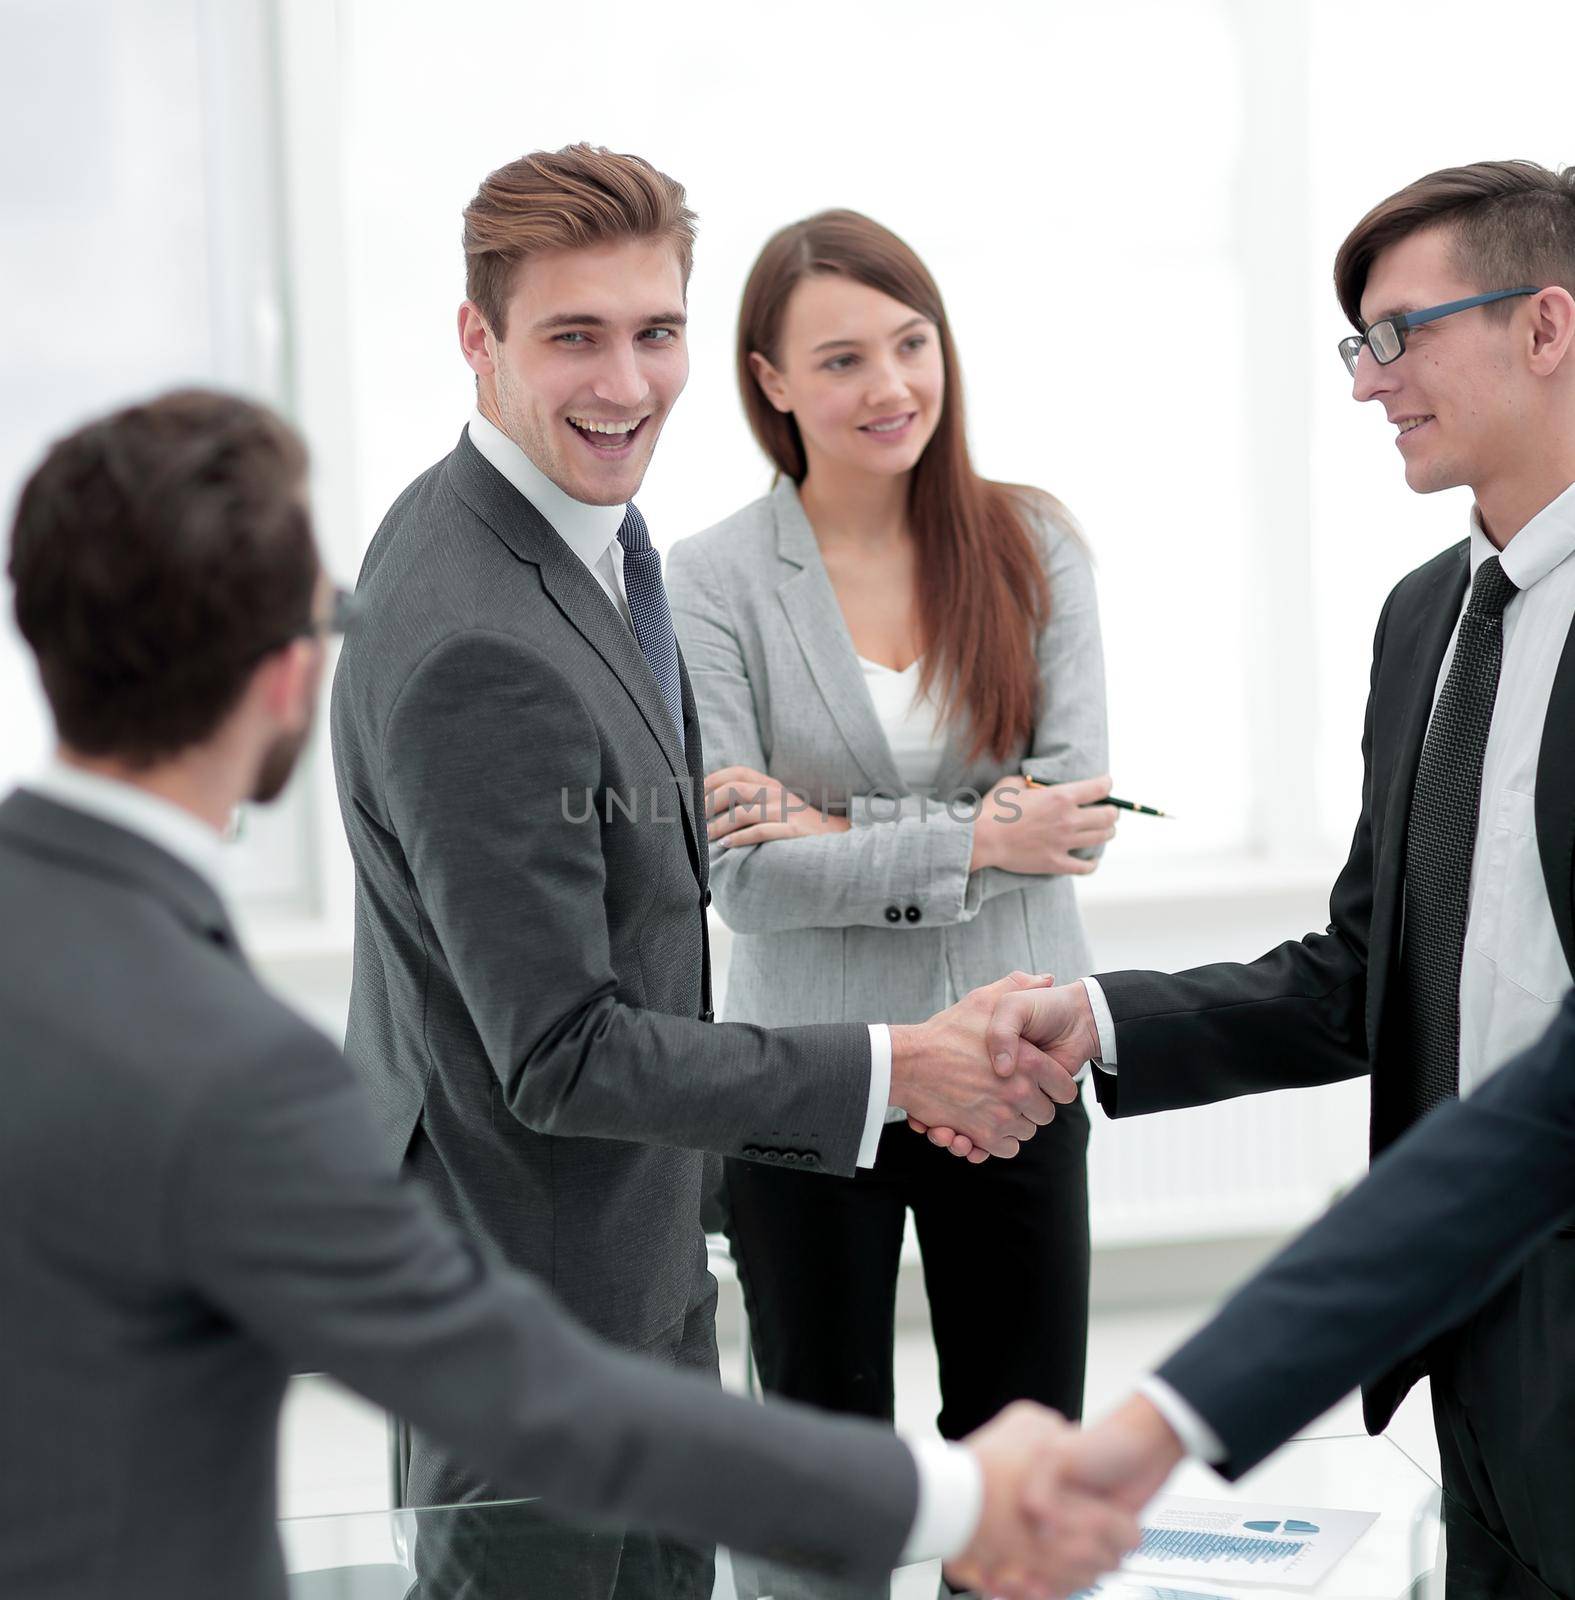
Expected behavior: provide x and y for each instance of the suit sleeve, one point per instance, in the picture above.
(286, 1214)
(898, 850)
(1293, 1017)
(1447, 1215)
(486, 738)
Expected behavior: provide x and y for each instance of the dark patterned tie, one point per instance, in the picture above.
(653, 622)
(1441, 839)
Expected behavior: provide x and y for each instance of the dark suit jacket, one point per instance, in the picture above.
(530, 958)
(1315, 1010)
(194, 1202)
(1443, 1221)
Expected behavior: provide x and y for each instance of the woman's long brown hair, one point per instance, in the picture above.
(983, 593)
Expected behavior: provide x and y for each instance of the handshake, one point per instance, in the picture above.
(1060, 1507)
(988, 1072)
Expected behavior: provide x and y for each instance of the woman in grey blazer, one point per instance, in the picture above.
(878, 643)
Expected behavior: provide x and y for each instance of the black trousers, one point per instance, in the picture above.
(1005, 1251)
(526, 1552)
(1504, 1406)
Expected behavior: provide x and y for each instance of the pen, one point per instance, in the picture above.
(1112, 800)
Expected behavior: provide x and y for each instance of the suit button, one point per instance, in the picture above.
(790, 1158)
(894, 913)
(705, 899)
(913, 913)
(751, 1152)
(810, 1159)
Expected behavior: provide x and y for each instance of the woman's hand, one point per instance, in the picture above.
(743, 806)
(1023, 827)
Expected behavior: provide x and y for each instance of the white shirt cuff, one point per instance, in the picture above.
(951, 1500)
(1198, 1439)
(1103, 1022)
(880, 1093)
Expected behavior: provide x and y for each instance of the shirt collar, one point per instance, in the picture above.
(160, 821)
(1544, 542)
(587, 530)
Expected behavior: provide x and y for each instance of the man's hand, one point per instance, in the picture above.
(1126, 1457)
(1039, 1536)
(744, 807)
(1035, 1031)
(1031, 1024)
(941, 1074)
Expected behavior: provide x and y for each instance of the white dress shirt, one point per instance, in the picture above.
(591, 532)
(171, 827)
(1513, 974)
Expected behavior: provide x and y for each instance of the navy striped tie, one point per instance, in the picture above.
(653, 622)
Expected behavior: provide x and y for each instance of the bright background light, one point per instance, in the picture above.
(1131, 207)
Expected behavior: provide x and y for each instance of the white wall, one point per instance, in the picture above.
(1131, 206)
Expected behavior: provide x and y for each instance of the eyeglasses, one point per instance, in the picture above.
(1386, 337)
(342, 609)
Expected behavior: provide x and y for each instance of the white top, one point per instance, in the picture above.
(911, 724)
(1514, 973)
(913, 731)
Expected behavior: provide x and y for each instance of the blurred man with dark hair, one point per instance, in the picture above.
(193, 1199)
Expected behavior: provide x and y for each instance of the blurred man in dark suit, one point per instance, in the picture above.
(194, 1201)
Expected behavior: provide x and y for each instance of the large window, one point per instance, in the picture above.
(1092, 269)
(142, 247)
(1130, 206)
(1464, 88)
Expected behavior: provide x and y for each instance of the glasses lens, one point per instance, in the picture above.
(1383, 339)
(1350, 349)
(344, 611)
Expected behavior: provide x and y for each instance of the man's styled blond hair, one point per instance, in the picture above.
(569, 199)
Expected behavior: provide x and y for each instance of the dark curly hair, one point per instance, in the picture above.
(158, 555)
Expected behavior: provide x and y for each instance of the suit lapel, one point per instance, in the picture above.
(1437, 611)
(1555, 803)
(577, 595)
(818, 625)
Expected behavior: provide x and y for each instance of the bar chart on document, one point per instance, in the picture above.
(1225, 1542)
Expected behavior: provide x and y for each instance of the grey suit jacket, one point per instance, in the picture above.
(872, 922)
(530, 962)
(194, 1202)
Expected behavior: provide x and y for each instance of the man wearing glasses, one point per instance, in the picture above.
(1452, 931)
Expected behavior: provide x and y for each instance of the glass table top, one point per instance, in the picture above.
(517, 1550)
